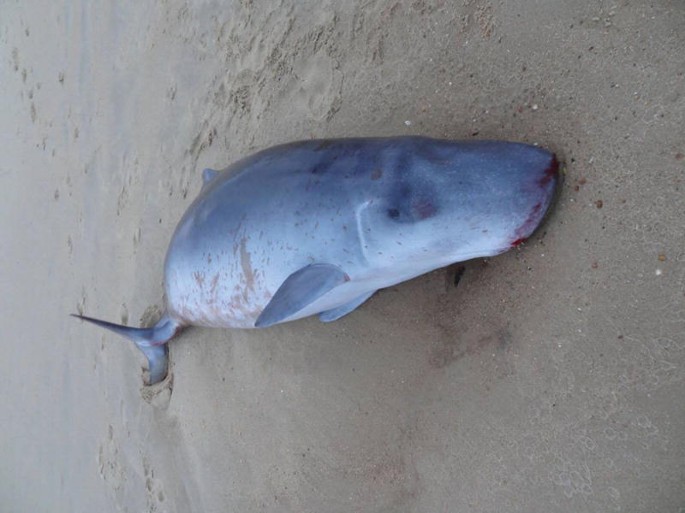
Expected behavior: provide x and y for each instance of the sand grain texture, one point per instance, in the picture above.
(550, 379)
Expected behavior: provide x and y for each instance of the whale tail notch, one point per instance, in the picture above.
(151, 341)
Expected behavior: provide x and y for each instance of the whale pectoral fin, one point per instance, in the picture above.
(336, 313)
(208, 175)
(300, 289)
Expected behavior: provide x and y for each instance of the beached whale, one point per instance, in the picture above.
(316, 227)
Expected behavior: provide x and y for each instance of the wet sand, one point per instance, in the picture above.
(550, 379)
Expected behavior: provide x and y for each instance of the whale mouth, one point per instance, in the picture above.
(550, 183)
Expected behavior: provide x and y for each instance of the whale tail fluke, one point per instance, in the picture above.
(151, 341)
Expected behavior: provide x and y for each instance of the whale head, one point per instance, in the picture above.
(459, 201)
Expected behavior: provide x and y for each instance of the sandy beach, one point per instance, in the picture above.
(550, 379)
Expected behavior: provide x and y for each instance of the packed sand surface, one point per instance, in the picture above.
(550, 379)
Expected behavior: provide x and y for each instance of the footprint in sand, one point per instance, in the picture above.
(318, 85)
(154, 488)
(109, 465)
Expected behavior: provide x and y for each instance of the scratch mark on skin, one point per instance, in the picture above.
(215, 282)
(246, 265)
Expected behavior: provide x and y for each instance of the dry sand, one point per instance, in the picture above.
(551, 379)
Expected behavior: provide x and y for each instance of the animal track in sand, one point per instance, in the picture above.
(317, 84)
(109, 465)
(154, 488)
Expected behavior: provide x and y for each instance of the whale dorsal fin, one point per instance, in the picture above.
(300, 289)
(208, 175)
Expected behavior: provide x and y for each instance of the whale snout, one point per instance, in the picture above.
(541, 193)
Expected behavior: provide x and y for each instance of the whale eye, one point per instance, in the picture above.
(411, 203)
(416, 211)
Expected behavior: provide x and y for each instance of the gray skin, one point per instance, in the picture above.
(316, 227)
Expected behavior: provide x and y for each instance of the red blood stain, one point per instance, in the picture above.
(523, 231)
(551, 173)
(531, 222)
